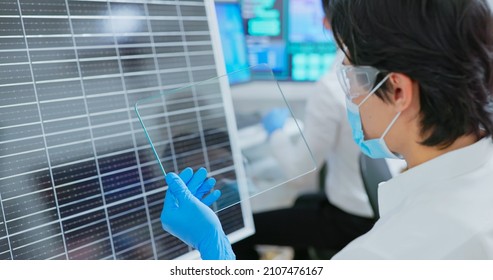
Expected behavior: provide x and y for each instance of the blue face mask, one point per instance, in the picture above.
(374, 148)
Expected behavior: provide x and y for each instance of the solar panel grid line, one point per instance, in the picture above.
(4, 224)
(34, 221)
(22, 162)
(8, 16)
(56, 100)
(177, 33)
(156, 65)
(88, 245)
(122, 188)
(15, 64)
(129, 249)
(142, 73)
(83, 219)
(92, 252)
(57, 80)
(141, 90)
(16, 84)
(68, 131)
(125, 231)
(42, 129)
(44, 205)
(65, 164)
(43, 249)
(21, 153)
(122, 214)
(179, 54)
(106, 174)
(31, 228)
(75, 117)
(92, 139)
(44, 17)
(173, 248)
(79, 201)
(107, 113)
(69, 144)
(125, 214)
(171, 18)
(58, 257)
(26, 194)
(24, 184)
(20, 125)
(87, 235)
(40, 36)
(192, 68)
(183, 112)
(54, 61)
(99, 249)
(116, 134)
(160, 82)
(34, 242)
(23, 173)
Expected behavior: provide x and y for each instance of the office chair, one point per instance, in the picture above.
(373, 171)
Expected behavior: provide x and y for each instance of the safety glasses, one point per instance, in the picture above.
(357, 80)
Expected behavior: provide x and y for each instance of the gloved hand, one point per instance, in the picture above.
(275, 119)
(187, 216)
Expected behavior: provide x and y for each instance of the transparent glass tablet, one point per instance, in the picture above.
(217, 126)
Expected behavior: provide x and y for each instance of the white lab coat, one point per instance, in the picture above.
(328, 135)
(441, 209)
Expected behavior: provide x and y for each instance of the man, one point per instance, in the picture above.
(418, 78)
(329, 220)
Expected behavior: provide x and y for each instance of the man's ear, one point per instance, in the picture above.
(403, 88)
(327, 24)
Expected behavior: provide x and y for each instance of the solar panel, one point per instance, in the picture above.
(77, 177)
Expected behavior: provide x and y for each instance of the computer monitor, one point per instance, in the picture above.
(289, 36)
(312, 48)
(265, 28)
(233, 40)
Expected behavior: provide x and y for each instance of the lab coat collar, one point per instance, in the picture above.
(391, 194)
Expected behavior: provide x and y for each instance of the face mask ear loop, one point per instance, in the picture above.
(390, 125)
(374, 89)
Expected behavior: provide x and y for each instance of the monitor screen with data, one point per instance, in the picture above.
(312, 48)
(265, 28)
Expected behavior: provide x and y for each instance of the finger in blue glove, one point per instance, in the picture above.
(275, 119)
(187, 217)
(200, 185)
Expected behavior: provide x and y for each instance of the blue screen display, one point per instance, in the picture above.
(312, 48)
(265, 26)
(233, 41)
(306, 22)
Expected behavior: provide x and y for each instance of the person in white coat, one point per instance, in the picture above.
(324, 221)
(418, 80)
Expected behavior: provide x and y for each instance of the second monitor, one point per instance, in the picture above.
(289, 36)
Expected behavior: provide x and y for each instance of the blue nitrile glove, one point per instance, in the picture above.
(187, 216)
(275, 119)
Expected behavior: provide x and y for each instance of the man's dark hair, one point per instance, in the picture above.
(446, 46)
